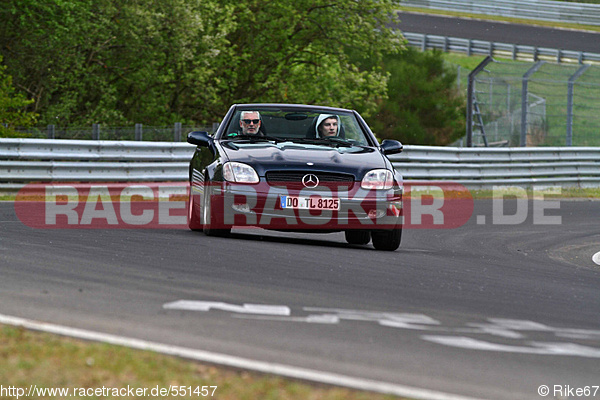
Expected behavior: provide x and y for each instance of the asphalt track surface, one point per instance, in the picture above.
(485, 310)
(501, 32)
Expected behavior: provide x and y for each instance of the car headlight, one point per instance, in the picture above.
(239, 173)
(378, 179)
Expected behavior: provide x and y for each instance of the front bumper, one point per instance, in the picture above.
(259, 205)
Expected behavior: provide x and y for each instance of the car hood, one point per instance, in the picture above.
(306, 157)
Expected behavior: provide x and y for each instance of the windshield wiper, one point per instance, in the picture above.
(257, 138)
(327, 141)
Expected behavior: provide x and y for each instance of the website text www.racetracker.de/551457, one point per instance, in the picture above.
(128, 391)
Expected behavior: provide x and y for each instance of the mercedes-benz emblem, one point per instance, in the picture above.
(310, 181)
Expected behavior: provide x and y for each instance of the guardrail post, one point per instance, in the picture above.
(508, 91)
(571, 89)
(524, 104)
(95, 131)
(177, 132)
(138, 132)
(470, 96)
(51, 132)
(424, 43)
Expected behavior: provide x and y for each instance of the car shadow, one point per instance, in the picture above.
(293, 238)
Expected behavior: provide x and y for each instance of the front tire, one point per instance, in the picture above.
(193, 221)
(387, 240)
(208, 220)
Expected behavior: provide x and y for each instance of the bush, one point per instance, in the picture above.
(423, 105)
(12, 107)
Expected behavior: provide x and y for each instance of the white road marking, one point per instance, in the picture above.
(500, 327)
(544, 348)
(596, 258)
(394, 320)
(237, 362)
(262, 309)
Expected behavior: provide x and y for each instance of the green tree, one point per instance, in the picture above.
(12, 107)
(162, 58)
(424, 106)
(39, 45)
(302, 51)
(112, 62)
(115, 62)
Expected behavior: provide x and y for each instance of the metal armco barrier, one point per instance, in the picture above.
(556, 11)
(483, 168)
(93, 150)
(40, 160)
(497, 49)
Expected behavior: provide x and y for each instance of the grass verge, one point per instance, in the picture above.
(50, 361)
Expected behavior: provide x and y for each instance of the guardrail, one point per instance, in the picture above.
(40, 160)
(93, 150)
(43, 160)
(498, 49)
(483, 168)
(577, 13)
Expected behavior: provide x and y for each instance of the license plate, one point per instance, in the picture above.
(310, 203)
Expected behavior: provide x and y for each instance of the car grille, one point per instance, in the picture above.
(294, 178)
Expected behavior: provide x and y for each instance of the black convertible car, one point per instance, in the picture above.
(296, 168)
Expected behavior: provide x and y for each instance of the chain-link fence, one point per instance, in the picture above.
(536, 104)
(175, 133)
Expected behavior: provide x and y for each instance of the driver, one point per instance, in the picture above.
(328, 125)
(250, 122)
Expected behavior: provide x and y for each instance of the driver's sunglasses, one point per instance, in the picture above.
(248, 121)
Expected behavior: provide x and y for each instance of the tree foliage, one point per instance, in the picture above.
(12, 106)
(116, 62)
(109, 61)
(303, 51)
(157, 62)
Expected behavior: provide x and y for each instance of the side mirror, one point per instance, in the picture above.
(391, 147)
(199, 138)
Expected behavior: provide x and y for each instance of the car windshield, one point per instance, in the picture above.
(312, 126)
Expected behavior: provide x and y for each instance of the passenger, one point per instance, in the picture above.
(328, 125)
(250, 122)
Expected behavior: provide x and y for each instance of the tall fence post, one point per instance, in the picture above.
(177, 132)
(524, 104)
(51, 132)
(470, 96)
(571, 89)
(95, 131)
(138, 132)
